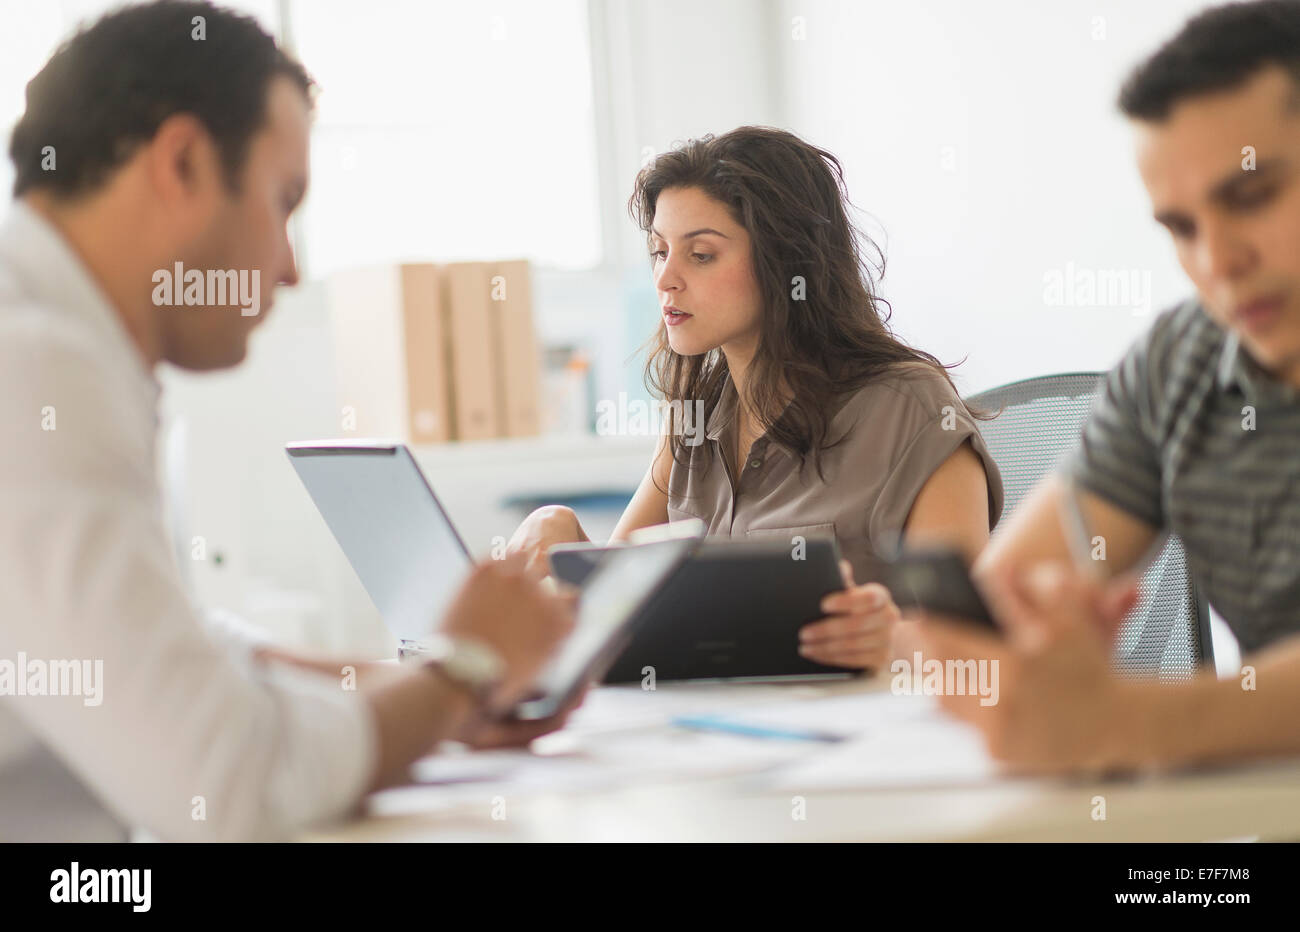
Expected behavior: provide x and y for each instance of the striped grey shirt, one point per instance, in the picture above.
(1191, 435)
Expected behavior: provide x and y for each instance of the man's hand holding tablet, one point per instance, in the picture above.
(503, 607)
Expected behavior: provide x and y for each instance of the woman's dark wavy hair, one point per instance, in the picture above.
(791, 198)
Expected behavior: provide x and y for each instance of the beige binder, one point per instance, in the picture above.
(475, 394)
(519, 376)
(390, 352)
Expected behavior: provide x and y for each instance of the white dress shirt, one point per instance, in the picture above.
(186, 727)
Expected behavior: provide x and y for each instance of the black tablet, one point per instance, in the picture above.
(622, 594)
(573, 563)
(733, 610)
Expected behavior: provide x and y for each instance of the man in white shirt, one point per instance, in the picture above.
(141, 147)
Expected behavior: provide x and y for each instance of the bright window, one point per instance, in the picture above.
(449, 131)
(443, 131)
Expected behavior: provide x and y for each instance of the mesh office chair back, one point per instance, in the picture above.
(1037, 424)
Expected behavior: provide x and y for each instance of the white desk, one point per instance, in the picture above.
(1259, 800)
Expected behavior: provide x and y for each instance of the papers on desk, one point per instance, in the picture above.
(890, 741)
(614, 761)
(559, 763)
(623, 736)
(927, 752)
(849, 716)
(619, 708)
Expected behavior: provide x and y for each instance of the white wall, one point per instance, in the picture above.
(984, 139)
(674, 69)
(664, 71)
(267, 553)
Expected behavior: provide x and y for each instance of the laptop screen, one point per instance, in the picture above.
(391, 526)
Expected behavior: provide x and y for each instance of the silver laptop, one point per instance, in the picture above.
(400, 540)
(412, 560)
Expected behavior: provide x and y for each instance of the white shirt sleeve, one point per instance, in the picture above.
(182, 739)
(233, 632)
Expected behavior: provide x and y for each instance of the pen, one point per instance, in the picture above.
(1082, 544)
(1077, 536)
(731, 726)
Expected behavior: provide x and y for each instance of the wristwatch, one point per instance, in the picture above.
(470, 664)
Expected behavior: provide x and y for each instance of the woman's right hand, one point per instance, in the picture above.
(545, 527)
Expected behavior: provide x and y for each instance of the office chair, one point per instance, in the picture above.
(1037, 423)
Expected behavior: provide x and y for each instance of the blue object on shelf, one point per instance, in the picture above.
(603, 500)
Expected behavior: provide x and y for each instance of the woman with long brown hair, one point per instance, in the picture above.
(818, 420)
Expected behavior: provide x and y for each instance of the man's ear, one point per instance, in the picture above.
(184, 166)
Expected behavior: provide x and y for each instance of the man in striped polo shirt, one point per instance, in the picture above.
(1197, 432)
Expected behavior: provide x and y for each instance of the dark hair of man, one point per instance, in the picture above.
(106, 90)
(1217, 50)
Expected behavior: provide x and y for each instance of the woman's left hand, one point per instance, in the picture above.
(858, 631)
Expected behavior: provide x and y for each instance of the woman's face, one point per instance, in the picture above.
(702, 268)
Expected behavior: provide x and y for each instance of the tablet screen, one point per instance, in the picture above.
(613, 596)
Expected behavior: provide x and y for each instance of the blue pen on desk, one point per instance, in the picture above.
(733, 727)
